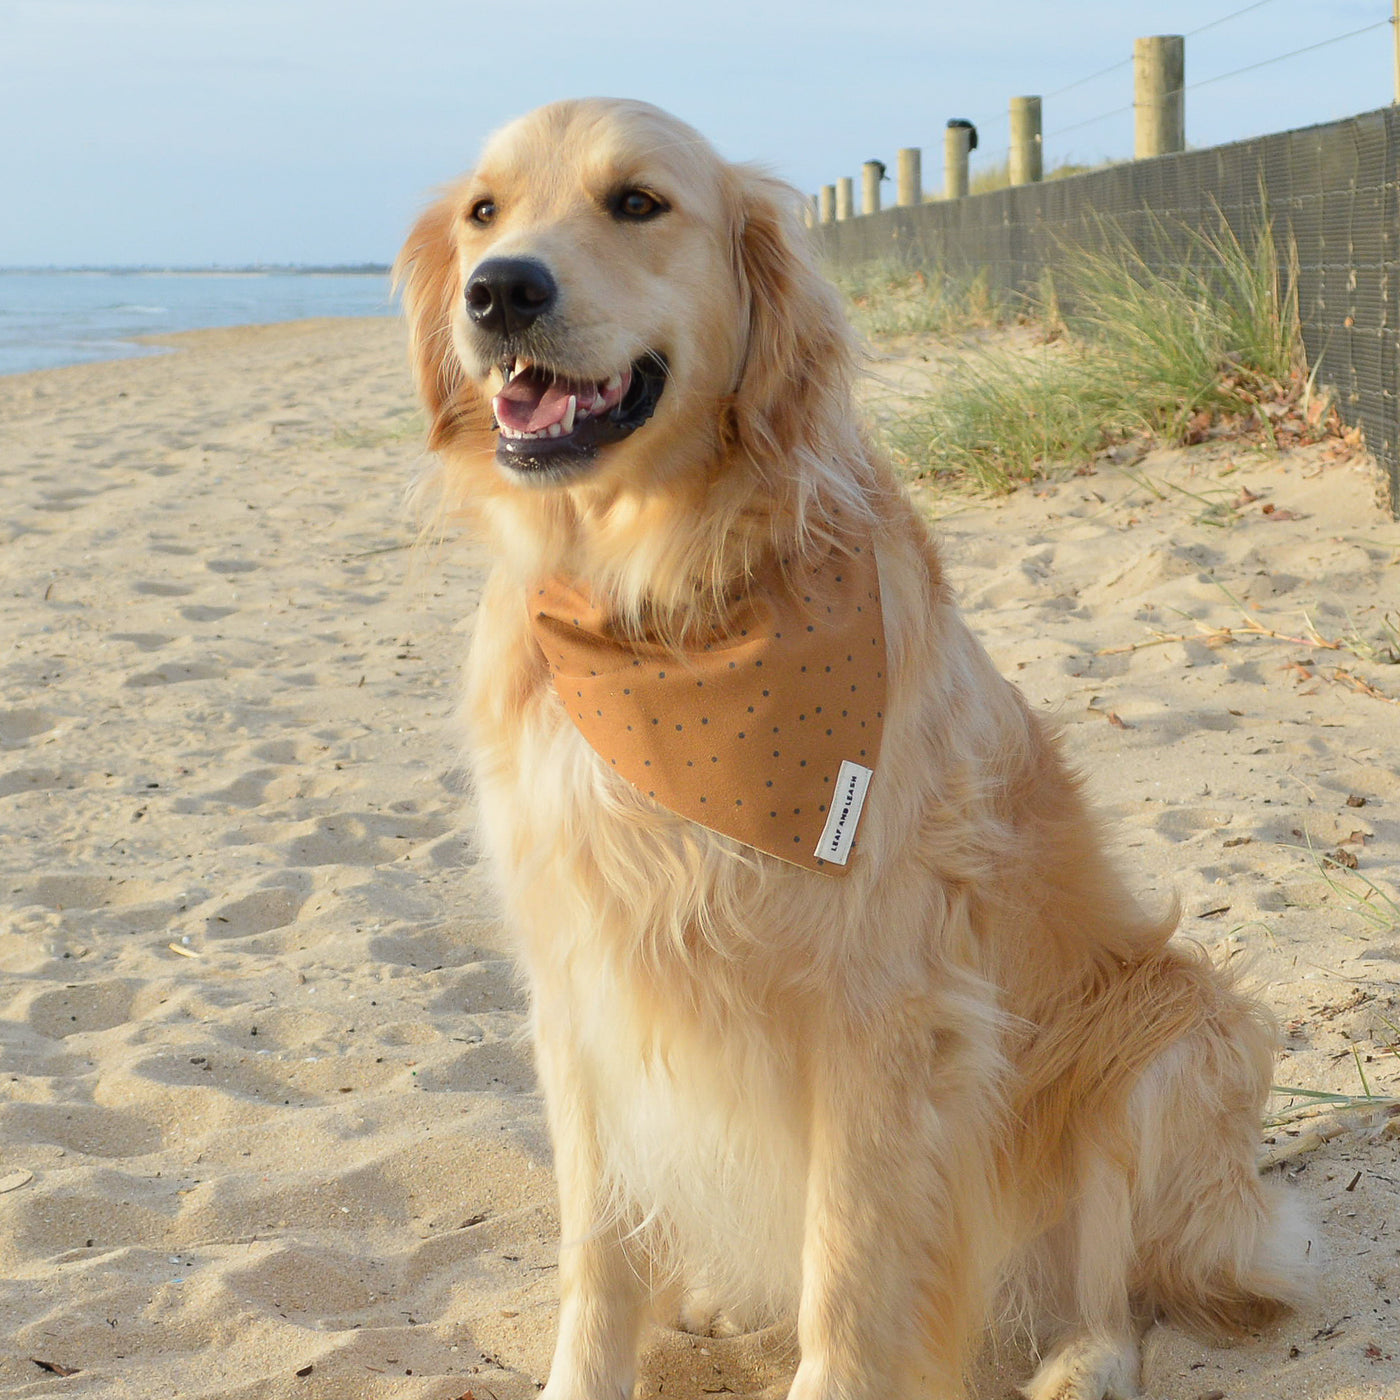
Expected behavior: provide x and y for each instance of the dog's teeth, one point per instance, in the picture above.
(613, 384)
(555, 429)
(567, 425)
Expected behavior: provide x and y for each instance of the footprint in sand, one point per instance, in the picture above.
(103, 1205)
(200, 612)
(355, 838)
(486, 1066)
(81, 1129)
(484, 981)
(145, 641)
(211, 1086)
(76, 890)
(159, 916)
(301, 1031)
(454, 851)
(410, 1033)
(20, 726)
(288, 751)
(174, 673)
(89, 1006)
(65, 499)
(22, 780)
(156, 589)
(260, 910)
(304, 1279)
(256, 789)
(1182, 823)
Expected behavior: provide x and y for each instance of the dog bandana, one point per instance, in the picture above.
(767, 732)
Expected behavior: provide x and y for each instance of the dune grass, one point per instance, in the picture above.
(1377, 907)
(1162, 350)
(886, 299)
(998, 176)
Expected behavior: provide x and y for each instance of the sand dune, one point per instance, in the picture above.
(267, 1128)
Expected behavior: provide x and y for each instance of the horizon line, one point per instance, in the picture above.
(359, 268)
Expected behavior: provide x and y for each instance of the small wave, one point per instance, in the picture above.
(70, 318)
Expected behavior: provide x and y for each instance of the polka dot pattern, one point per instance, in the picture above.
(745, 733)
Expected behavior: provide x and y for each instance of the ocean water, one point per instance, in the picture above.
(69, 318)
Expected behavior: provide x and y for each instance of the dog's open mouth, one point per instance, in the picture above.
(546, 419)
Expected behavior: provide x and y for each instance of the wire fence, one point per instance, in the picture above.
(1331, 192)
(995, 152)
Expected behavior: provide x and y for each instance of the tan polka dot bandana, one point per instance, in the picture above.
(767, 732)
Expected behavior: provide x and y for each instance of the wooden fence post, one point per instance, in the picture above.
(957, 142)
(828, 204)
(872, 172)
(1395, 35)
(845, 197)
(1024, 165)
(1159, 98)
(909, 188)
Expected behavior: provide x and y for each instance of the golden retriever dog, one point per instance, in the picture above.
(940, 1069)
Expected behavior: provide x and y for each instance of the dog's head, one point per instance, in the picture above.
(605, 308)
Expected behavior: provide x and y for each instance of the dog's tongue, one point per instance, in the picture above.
(531, 403)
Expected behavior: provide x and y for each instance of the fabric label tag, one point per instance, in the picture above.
(844, 816)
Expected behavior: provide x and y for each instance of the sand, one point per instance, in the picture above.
(267, 1125)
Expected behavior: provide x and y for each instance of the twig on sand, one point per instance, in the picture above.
(1365, 687)
(381, 549)
(1369, 1115)
(1223, 636)
(1252, 628)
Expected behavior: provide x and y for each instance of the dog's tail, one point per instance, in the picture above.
(1220, 1250)
(1244, 1271)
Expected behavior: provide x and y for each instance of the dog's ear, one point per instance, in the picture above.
(426, 273)
(798, 359)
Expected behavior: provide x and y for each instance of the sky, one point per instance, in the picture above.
(230, 132)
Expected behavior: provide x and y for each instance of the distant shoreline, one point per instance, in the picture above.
(251, 270)
(51, 317)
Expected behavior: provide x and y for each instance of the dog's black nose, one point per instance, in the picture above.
(505, 295)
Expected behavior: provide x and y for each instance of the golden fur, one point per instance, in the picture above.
(973, 1067)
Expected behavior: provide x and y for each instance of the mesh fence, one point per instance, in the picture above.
(1332, 193)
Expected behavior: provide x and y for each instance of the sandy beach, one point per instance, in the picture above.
(267, 1125)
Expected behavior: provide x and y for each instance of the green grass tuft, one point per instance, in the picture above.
(886, 299)
(998, 177)
(1001, 417)
(1158, 352)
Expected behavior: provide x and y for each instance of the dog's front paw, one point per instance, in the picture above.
(1088, 1368)
(564, 1387)
(702, 1316)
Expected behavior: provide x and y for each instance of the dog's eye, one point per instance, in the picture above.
(483, 211)
(637, 205)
